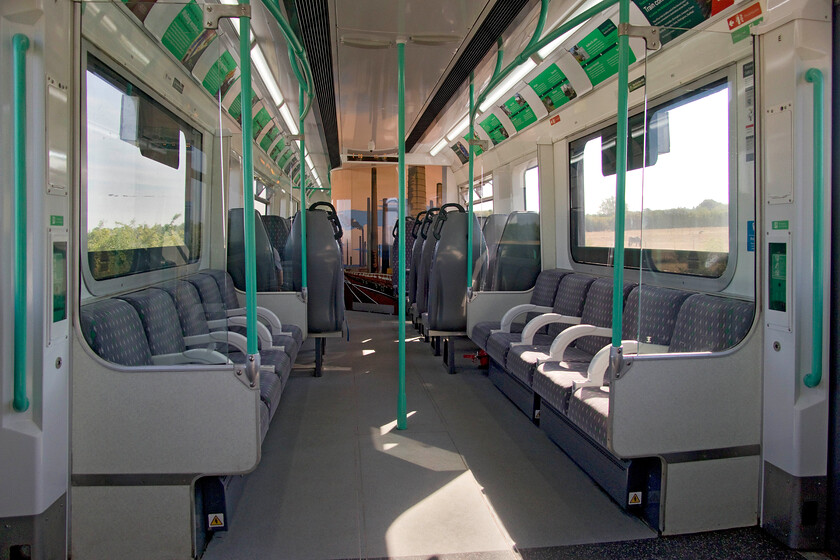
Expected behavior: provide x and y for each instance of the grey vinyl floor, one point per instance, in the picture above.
(470, 478)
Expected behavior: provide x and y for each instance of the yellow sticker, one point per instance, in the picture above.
(216, 520)
(635, 499)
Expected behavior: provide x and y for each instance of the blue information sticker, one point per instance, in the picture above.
(751, 236)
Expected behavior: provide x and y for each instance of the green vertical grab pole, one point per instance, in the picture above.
(620, 184)
(470, 183)
(248, 185)
(813, 379)
(303, 263)
(20, 44)
(401, 404)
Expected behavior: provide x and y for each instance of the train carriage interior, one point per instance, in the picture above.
(482, 279)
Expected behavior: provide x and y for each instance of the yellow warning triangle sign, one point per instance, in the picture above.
(635, 499)
(216, 522)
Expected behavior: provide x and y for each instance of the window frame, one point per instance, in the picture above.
(478, 182)
(632, 270)
(110, 286)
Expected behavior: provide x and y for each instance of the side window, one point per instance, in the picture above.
(482, 196)
(143, 180)
(532, 189)
(677, 210)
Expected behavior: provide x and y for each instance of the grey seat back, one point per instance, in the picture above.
(160, 320)
(226, 287)
(113, 330)
(266, 270)
(518, 254)
(492, 229)
(447, 303)
(416, 254)
(708, 323)
(427, 253)
(325, 273)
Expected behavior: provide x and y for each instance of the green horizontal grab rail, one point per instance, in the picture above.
(20, 44)
(813, 379)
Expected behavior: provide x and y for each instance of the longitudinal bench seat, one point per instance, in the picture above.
(542, 298)
(575, 402)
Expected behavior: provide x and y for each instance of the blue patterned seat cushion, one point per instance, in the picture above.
(597, 311)
(265, 419)
(710, 324)
(280, 360)
(651, 313)
(481, 332)
(554, 381)
(211, 297)
(498, 345)
(522, 360)
(230, 299)
(188, 306)
(589, 409)
(113, 330)
(271, 387)
(569, 300)
(160, 320)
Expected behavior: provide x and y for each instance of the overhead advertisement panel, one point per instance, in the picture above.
(678, 16)
(519, 112)
(553, 87)
(494, 129)
(461, 151)
(275, 153)
(221, 75)
(265, 143)
(597, 53)
(261, 119)
(284, 158)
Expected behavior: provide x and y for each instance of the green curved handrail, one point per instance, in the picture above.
(814, 378)
(20, 44)
(471, 186)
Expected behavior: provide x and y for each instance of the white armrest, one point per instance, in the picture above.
(558, 347)
(194, 356)
(241, 321)
(601, 362)
(234, 339)
(262, 313)
(518, 310)
(537, 323)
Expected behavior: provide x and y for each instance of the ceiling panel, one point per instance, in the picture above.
(367, 77)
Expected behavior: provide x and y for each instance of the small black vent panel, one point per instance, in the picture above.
(501, 15)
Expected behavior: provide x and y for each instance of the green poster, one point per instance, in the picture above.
(222, 72)
(265, 143)
(235, 108)
(519, 112)
(553, 87)
(275, 153)
(597, 53)
(675, 16)
(284, 158)
(493, 127)
(261, 119)
(184, 30)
